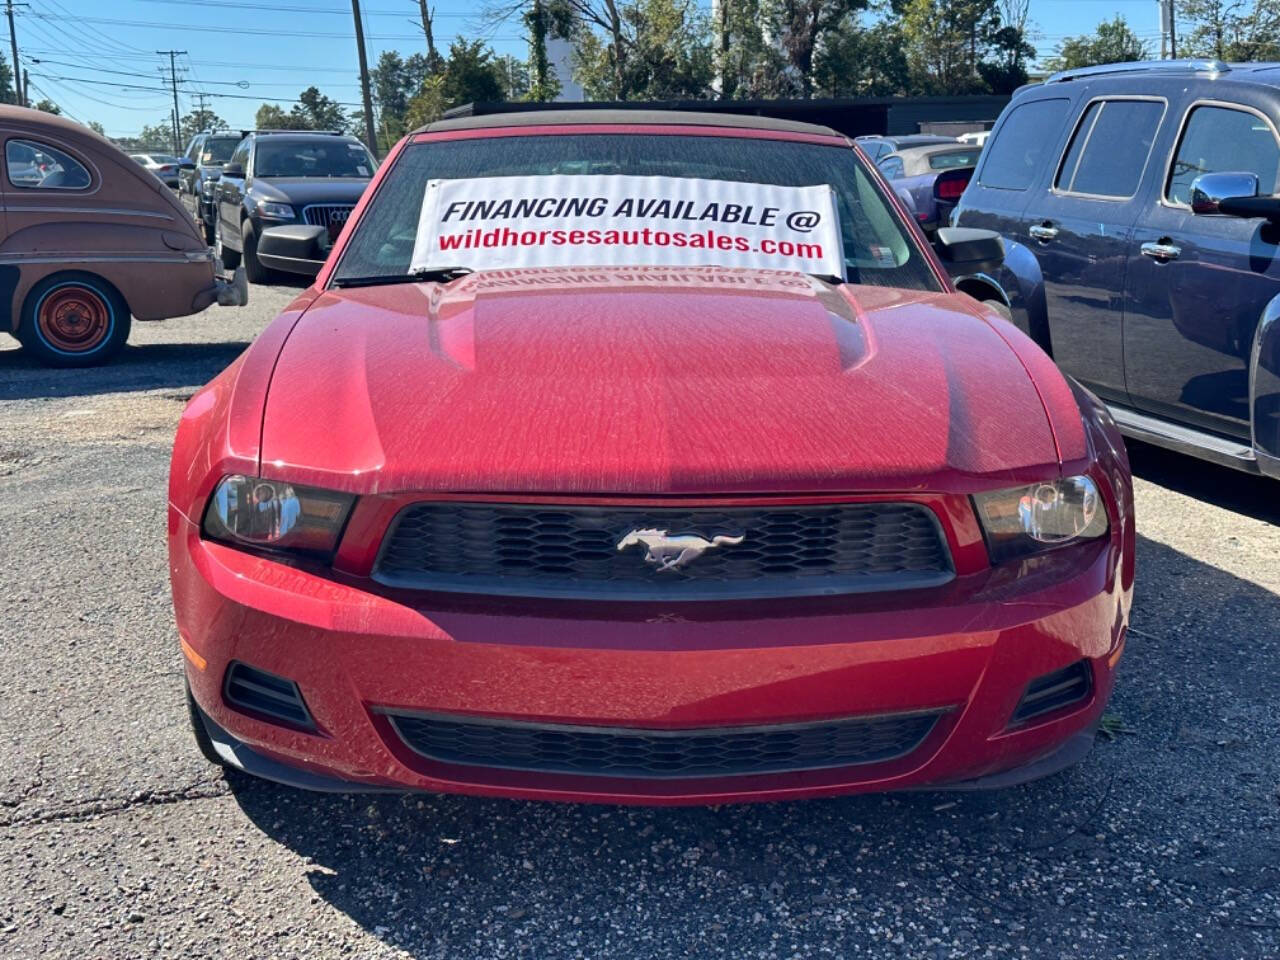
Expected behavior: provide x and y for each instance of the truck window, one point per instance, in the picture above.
(1017, 154)
(1223, 140)
(1109, 150)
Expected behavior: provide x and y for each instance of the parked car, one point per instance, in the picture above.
(276, 178)
(1138, 204)
(611, 464)
(90, 242)
(915, 170)
(162, 165)
(878, 146)
(977, 138)
(199, 172)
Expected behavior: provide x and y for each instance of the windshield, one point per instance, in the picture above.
(877, 248)
(954, 158)
(311, 158)
(219, 150)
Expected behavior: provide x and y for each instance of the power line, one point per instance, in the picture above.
(291, 8)
(205, 63)
(212, 96)
(240, 31)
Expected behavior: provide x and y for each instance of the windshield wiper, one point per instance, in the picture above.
(435, 275)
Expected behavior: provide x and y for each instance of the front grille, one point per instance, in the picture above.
(269, 696)
(331, 216)
(521, 550)
(640, 753)
(1053, 691)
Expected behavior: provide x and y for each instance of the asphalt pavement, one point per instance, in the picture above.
(118, 841)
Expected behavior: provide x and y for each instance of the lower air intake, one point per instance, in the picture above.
(266, 695)
(1053, 691)
(642, 753)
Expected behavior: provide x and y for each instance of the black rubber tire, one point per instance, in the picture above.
(207, 227)
(254, 271)
(203, 743)
(230, 258)
(37, 343)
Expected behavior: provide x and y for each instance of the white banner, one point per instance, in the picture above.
(558, 221)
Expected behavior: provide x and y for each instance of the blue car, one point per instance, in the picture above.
(916, 171)
(1138, 204)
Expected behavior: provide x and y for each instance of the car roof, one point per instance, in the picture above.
(590, 117)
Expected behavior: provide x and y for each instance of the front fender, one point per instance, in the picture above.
(1020, 277)
(1264, 390)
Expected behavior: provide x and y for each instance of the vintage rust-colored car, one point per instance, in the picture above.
(89, 241)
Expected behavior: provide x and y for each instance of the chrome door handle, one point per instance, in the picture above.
(1161, 251)
(1043, 232)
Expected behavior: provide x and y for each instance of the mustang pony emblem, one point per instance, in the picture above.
(672, 553)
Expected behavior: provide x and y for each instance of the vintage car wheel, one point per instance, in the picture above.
(230, 258)
(74, 320)
(254, 271)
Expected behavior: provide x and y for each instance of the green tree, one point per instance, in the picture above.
(946, 40)
(429, 105)
(1113, 42)
(7, 94)
(539, 20)
(315, 111)
(47, 105)
(395, 81)
(198, 120)
(97, 128)
(273, 117)
(1231, 30)
(471, 74)
(857, 61)
(667, 54)
(801, 27)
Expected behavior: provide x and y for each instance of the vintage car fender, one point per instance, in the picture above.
(1264, 390)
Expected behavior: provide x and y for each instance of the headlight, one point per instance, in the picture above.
(269, 514)
(1028, 519)
(275, 211)
(206, 186)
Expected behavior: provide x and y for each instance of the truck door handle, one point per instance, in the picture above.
(1162, 251)
(1044, 232)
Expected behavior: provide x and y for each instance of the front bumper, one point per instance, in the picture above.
(357, 651)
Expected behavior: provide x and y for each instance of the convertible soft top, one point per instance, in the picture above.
(592, 117)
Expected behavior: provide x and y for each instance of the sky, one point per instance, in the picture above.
(98, 60)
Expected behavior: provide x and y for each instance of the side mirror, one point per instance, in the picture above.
(1209, 190)
(1233, 195)
(187, 163)
(967, 250)
(296, 248)
(233, 170)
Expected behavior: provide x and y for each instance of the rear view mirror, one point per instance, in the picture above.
(967, 250)
(295, 248)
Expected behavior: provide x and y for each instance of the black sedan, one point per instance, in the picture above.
(294, 177)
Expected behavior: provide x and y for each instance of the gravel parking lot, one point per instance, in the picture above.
(118, 841)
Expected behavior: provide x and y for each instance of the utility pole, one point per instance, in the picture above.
(173, 80)
(1173, 30)
(370, 133)
(201, 96)
(18, 86)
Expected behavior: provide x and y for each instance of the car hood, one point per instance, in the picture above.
(647, 382)
(304, 190)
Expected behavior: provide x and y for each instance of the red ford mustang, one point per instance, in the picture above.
(669, 530)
